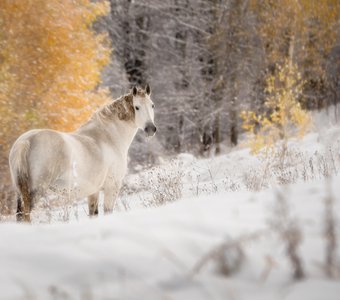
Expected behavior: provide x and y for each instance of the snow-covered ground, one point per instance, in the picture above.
(221, 239)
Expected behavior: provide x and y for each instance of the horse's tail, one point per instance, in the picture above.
(20, 175)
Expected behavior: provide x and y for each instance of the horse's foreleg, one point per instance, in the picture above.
(29, 200)
(93, 204)
(110, 197)
(19, 213)
(111, 191)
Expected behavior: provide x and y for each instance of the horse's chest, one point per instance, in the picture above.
(116, 162)
(118, 169)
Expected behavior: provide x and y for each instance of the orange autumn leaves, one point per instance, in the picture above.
(50, 64)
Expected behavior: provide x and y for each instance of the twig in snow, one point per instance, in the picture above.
(288, 230)
(330, 235)
(220, 252)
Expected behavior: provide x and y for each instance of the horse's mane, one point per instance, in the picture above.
(121, 108)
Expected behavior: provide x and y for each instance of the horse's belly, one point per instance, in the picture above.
(77, 188)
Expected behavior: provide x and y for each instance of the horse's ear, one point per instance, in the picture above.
(148, 89)
(134, 91)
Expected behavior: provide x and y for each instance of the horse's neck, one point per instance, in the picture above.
(122, 134)
(118, 134)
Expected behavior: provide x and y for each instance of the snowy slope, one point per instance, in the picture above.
(151, 253)
(176, 251)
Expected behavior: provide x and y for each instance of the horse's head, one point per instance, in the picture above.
(144, 110)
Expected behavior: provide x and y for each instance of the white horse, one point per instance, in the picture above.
(81, 163)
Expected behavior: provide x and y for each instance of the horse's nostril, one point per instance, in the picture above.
(150, 129)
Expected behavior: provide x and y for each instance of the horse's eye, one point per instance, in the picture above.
(137, 107)
(153, 105)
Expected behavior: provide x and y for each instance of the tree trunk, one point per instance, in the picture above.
(233, 125)
(216, 134)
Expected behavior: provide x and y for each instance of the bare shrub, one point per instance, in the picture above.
(287, 165)
(195, 184)
(330, 235)
(332, 161)
(255, 179)
(280, 164)
(287, 228)
(199, 187)
(230, 185)
(55, 206)
(323, 166)
(320, 165)
(166, 185)
(133, 184)
(203, 183)
(307, 172)
(161, 184)
(122, 203)
(284, 177)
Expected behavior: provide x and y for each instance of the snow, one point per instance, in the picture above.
(167, 252)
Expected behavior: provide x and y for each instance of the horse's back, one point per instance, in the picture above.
(43, 143)
(46, 155)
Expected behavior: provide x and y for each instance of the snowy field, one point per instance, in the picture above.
(222, 233)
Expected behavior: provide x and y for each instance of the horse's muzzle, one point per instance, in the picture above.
(150, 129)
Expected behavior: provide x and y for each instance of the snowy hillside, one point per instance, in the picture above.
(225, 237)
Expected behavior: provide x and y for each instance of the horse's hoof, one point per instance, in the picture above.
(19, 217)
(27, 218)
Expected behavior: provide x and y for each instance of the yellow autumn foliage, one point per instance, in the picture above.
(284, 117)
(50, 64)
(303, 19)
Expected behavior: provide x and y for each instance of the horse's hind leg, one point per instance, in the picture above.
(21, 214)
(26, 198)
(93, 204)
(19, 209)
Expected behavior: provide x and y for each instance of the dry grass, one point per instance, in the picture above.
(7, 200)
(157, 186)
(284, 166)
